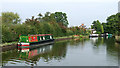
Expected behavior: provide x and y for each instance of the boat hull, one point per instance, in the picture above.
(35, 44)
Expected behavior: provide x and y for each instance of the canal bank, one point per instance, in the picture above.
(117, 38)
(12, 46)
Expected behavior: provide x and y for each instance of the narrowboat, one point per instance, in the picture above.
(31, 40)
(99, 35)
(93, 35)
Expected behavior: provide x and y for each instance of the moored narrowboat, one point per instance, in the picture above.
(30, 40)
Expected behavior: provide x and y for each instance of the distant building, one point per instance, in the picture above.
(82, 26)
(119, 7)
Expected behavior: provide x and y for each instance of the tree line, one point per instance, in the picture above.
(49, 23)
(111, 26)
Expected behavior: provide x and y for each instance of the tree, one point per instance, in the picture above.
(10, 17)
(32, 21)
(111, 24)
(105, 27)
(97, 26)
(61, 18)
(46, 18)
(0, 29)
(47, 14)
(40, 15)
(50, 23)
(102, 29)
(118, 23)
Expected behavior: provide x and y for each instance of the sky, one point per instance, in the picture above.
(78, 11)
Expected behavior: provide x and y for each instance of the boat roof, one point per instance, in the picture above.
(40, 35)
(36, 35)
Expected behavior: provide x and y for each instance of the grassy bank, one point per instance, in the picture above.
(72, 36)
(10, 43)
(117, 38)
(63, 37)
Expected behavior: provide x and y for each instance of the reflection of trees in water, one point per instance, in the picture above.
(112, 50)
(110, 45)
(79, 41)
(100, 41)
(97, 41)
(107, 47)
(118, 54)
(74, 42)
(58, 52)
(9, 56)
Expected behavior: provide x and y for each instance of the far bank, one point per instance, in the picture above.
(13, 45)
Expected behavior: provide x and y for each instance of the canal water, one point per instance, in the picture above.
(75, 52)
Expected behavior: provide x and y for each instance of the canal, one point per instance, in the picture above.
(75, 52)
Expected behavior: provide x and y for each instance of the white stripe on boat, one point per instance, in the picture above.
(24, 43)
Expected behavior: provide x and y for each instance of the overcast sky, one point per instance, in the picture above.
(78, 11)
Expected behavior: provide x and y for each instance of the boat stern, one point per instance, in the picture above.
(22, 44)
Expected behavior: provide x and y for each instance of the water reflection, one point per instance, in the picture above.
(28, 53)
(108, 43)
(73, 52)
(32, 55)
(106, 46)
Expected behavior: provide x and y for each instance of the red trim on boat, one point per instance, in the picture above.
(24, 45)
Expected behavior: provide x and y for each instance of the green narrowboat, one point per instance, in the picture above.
(28, 40)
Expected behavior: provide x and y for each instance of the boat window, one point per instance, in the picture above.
(43, 38)
(33, 37)
(50, 37)
(40, 38)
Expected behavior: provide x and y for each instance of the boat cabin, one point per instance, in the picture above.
(35, 38)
